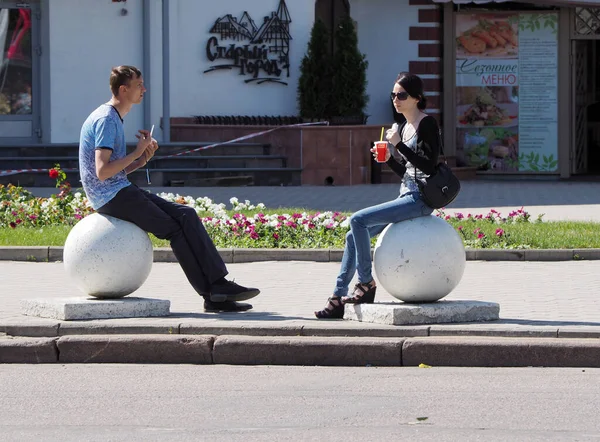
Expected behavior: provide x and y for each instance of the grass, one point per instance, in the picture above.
(545, 235)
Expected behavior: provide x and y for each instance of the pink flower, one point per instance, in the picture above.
(459, 216)
(13, 225)
(481, 235)
(19, 221)
(32, 217)
(311, 226)
(499, 232)
(460, 228)
(254, 235)
(275, 235)
(447, 217)
(77, 216)
(297, 216)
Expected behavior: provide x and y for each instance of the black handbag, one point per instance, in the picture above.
(440, 188)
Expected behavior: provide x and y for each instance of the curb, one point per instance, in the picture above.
(332, 351)
(14, 328)
(236, 256)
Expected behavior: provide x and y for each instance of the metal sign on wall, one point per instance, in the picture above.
(259, 53)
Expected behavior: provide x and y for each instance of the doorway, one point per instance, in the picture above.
(332, 12)
(585, 58)
(19, 68)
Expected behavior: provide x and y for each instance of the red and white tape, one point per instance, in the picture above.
(17, 171)
(198, 149)
(242, 138)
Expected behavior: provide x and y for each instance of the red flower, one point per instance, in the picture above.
(13, 225)
(53, 174)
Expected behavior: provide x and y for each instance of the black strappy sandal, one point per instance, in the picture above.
(334, 309)
(362, 294)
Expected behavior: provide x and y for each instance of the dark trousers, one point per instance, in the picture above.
(194, 249)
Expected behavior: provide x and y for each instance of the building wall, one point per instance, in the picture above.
(194, 92)
(84, 49)
(393, 36)
(87, 38)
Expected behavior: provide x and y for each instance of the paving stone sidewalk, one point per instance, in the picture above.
(546, 299)
(537, 299)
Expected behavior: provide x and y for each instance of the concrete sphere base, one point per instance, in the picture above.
(419, 260)
(107, 257)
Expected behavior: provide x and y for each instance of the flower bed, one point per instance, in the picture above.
(253, 226)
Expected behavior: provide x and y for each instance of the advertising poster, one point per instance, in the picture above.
(506, 91)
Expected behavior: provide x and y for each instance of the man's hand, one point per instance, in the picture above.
(150, 150)
(144, 141)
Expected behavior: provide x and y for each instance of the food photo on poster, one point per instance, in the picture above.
(488, 126)
(481, 35)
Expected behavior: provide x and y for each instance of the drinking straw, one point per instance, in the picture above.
(148, 171)
(382, 128)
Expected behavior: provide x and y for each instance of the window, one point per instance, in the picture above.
(15, 66)
(587, 21)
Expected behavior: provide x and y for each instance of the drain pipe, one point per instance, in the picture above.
(146, 65)
(166, 64)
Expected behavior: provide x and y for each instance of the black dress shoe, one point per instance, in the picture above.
(225, 306)
(230, 291)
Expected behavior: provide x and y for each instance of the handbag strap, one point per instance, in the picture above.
(442, 144)
(441, 151)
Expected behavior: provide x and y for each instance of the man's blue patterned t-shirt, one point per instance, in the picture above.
(102, 129)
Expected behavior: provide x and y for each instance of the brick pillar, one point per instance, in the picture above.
(429, 66)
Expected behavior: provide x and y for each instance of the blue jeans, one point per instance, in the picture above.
(364, 225)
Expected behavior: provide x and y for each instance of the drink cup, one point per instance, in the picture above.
(381, 150)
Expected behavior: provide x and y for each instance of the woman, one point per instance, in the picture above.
(418, 145)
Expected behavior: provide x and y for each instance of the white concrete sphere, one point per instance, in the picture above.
(107, 257)
(419, 260)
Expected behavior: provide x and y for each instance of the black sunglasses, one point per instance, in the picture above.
(399, 95)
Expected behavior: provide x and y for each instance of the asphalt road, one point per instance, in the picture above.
(225, 403)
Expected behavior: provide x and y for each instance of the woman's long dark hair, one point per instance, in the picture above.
(413, 85)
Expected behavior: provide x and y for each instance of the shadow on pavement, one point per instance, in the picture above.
(534, 322)
(237, 316)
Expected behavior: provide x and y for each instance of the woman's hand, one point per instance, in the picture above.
(374, 152)
(392, 135)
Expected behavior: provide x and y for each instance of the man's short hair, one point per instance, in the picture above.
(121, 76)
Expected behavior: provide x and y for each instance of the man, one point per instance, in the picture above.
(104, 165)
